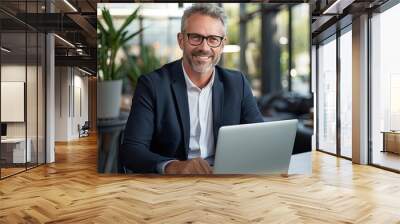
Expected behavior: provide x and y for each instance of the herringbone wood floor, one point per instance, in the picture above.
(71, 191)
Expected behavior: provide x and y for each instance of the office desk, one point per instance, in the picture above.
(391, 141)
(300, 163)
(13, 150)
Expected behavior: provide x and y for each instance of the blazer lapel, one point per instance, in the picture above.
(181, 99)
(217, 104)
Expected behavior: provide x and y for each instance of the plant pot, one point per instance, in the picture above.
(108, 99)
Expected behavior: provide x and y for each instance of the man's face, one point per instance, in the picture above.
(201, 58)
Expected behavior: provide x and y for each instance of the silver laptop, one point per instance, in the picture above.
(260, 148)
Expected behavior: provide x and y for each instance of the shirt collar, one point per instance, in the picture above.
(191, 85)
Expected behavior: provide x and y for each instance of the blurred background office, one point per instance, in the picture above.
(269, 43)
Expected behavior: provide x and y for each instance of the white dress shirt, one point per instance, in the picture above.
(201, 141)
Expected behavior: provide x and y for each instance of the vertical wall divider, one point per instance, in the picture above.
(69, 91)
(0, 96)
(369, 78)
(360, 90)
(316, 110)
(26, 86)
(310, 50)
(73, 91)
(37, 90)
(290, 47)
(44, 80)
(60, 76)
(338, 98)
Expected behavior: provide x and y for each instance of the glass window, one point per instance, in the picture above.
(15, 151)
(346, 94)
(385, 85)
(300, 73)
(22, 91)
(327, 96)
(231, 57)
(253, 50)
(282, 21)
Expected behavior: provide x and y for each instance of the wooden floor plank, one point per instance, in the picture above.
(71, 191)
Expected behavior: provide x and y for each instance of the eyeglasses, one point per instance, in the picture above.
(196, 39)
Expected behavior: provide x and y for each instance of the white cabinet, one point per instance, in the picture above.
(17, 147)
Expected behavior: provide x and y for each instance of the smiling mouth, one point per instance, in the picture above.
(202, 58)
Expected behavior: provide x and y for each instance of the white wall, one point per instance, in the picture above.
(12, 73)
(62, 81)
(33, 126)
(71, 93)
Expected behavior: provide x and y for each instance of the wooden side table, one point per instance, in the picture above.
(391, 141)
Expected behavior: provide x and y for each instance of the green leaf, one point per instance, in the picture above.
(108, 20)
(111, 41)
(129, 20)
(132, 35)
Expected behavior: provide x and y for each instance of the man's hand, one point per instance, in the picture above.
(193, 166)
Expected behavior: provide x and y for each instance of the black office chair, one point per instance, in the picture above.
(121, 167)
(84, 130)
(289, 105)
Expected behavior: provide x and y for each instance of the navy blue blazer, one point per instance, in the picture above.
(158, 125)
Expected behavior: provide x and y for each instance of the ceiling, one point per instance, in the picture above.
(76, 25)
(75, 21)
(330, 15)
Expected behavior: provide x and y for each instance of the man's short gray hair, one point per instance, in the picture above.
(208, 9)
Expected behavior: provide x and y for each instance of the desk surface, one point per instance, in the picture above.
(390, 132)
(13, 140)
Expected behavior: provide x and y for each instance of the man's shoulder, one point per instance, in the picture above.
(162, 73)
(226, 74)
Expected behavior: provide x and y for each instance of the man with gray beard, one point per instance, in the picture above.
(178, 109)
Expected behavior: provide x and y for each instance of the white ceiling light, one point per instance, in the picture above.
(5, 50)
(338, 6)
(84, 71)
(70, 5)
(65, 41)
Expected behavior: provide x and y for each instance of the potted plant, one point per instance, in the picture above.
(111, 40)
